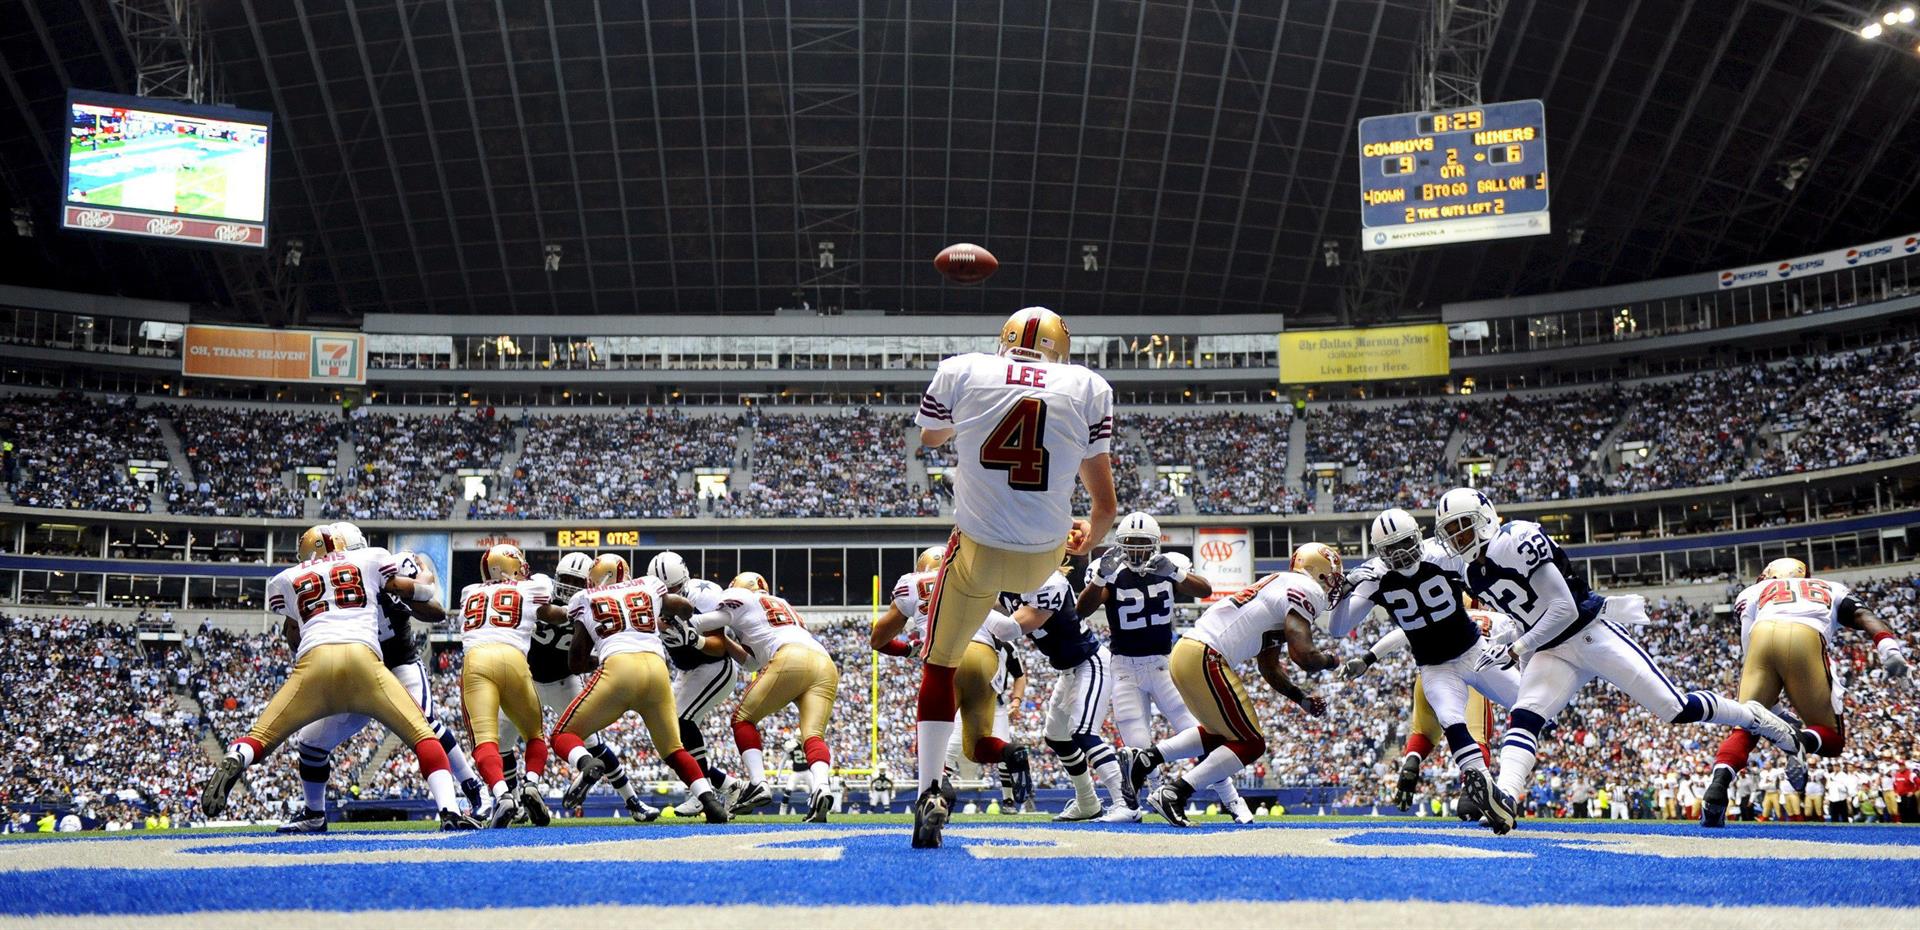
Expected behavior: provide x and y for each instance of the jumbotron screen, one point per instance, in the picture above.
(165, 169)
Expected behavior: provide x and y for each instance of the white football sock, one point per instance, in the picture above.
(817, 775)
(316, 794)
(241, 751)
(1219, 764)
(578, 756)
(1108, 773)
(1083, 789)
(755, 761)
(1182, 745)
(699, 787)
(445, 795)
(934, 735)
(1516, 763)
(1227, 792)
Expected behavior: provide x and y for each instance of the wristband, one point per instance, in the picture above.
(895, 647)
(1371, 658)
(424, 591)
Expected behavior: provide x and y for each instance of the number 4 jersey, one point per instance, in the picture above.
(503, 611)
(1429, 604)
(1021, 430)
(334, 597)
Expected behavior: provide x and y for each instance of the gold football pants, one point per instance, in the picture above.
(797, 675)
(972, 577)
(339, 678)
(1790, 656)
(495, 680)
(636, 681)
(1212, 692)
(973, 686)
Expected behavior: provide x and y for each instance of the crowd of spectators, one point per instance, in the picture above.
(832, 466)
(1697, 430)
(402, 462)
(580, 466)
(1239, 459)
(72, 452)
(1388, 455)
(1857, 408)
(238, 459)
(1539, 447)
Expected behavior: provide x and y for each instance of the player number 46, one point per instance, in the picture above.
(1018, 445)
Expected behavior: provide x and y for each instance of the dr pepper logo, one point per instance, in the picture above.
(229, 232)
(93, 219)
(165, 227)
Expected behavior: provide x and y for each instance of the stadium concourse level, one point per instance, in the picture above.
(1699, 430)
(112, 728)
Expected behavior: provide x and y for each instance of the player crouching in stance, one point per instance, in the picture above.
(1081, 693)
(794, 669)
(1272, 617)
(499, 616)
(1786, 622)
(1569, 636)
(707, 665)
(332, 624)
(1411, 579)
(621, 624)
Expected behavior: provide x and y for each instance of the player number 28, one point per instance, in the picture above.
(310, 592)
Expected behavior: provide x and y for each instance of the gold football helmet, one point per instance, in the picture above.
(929, 558)
(1784, 568)
(607, 569)
(1320, 562)
(749, 581)
(317, 541)
(1035, 334)
(503, 562)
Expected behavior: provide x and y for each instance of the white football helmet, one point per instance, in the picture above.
(1395, 536)
(1138, 537)
(671, 569)
(1465, 522)
(570, 576)
(348, 536)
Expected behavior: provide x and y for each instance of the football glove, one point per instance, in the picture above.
(1503, 657)
(1370, 570)
(1354, 668)
(1315, 706)
(1108, 568)
(1893, 658)
(1165, 565)
(675, 632)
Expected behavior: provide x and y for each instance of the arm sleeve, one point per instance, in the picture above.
(936, 403)
(577, 608)
(714, 619)
(1551, 588)
(279, 599)
(1352, 610)
(1099, 417)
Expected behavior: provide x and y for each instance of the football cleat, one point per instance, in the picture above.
(713, 807)
(1015, 762)
(929, 819)
(1407, 782)
(1120, 813)
(590, 770)
(451, 821)
(1797, 772)
(819, 807)
(1242, 814)
(642, 812)
(1713, 804)
(535, 806)
(1077, 811)
(1468, 811)
(308, 822)
(752, 799)
(213, 797)
(504, 812)
(1007, 806)
(1497, 807)
(1134, 772)
(1167, 802)
(689, 807)
(952, 797)
(476, 794)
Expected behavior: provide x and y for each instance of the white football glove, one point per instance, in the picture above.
(1893, 658)
(1370, 570)
(1357, 666)
(1167, 566)
(1104, 571)
(675, 632)
(1505, 656)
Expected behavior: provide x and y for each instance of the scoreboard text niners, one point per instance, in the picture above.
(1456, 174)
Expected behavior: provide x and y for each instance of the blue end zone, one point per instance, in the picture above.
(1132, 864)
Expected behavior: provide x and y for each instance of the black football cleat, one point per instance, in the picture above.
(1407, 781)
(213, 797)
(535, 806)
(1135, 770)
(1170, 801)
(821, 805)
(453, 821)
(310, 821)
(590, 770)
(752, 799)
(475, 792)
(641, 811)
(714, 808)
(1017, 765)
(1496, 808)
(1713, 804)
(929, 819)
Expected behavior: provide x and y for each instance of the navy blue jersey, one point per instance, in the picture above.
(1063, 639)
(1504, 578)
(1140, 613)
(547, 655)
(397, 647)
(1429, 604)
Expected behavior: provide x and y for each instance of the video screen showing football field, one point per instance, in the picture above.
(166, 163)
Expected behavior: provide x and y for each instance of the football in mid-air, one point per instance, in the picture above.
(966, 263)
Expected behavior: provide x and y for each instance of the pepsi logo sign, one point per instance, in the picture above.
(1731, 278)
(1912, 243)
(1855, 256)
(164, 227)
(94, 219)
(229, 232)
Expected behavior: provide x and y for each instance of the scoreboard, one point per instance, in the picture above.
(1457, 175)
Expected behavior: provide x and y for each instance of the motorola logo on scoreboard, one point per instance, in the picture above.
(1457, 175)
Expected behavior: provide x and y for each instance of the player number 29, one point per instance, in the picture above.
(1435, 601)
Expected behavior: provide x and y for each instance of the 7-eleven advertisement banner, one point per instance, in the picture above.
(1224, 555)
(274, 355)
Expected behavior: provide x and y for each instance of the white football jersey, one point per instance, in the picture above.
(503, 611)
(1021, 430)
(704, 595)
(911, 594)
(335, 598)
(1241, 626)
(622, 617)
(761, 623)
(1814, 602)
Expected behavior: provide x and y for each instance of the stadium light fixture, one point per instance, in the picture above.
(552, 257)
(1871, 31)
(1891, 17)
(23, 222)
(1906, 14)
(296, 248)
